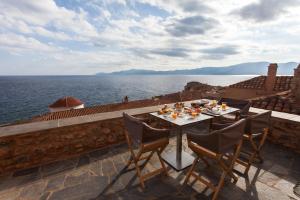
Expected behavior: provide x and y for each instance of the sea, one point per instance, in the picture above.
(22, 97)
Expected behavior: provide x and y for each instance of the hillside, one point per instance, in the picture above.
(253, 68)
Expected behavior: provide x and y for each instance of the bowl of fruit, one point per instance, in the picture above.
(164, 110)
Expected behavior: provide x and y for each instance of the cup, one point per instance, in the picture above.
(194, 114)
(224, 106)
(174, 115)
(214, 103)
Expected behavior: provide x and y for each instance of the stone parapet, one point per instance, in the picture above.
(28, 145)
(32, 144)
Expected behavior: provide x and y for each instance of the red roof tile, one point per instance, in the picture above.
(66, 102)
(282, 83)
(253, 83)
(282, 102)
(164, 99)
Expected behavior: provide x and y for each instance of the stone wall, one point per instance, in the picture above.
(42, 145)
(238, 93)
(35, 148)
(286, 133)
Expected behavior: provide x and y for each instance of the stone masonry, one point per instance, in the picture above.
(296, 83)
(271, 78)
(35, 148)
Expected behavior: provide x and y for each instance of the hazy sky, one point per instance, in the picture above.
(86, 37)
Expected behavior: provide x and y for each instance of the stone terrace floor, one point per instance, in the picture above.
(101, 175)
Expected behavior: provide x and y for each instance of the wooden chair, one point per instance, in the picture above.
(256, 132)
(146, 139)
(214, 146)
(243, 105)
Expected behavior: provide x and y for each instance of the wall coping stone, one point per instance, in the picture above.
(278, 115)
(44, 125)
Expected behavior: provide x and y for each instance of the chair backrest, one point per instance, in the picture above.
(221, 141)
(134, 128)
(257, 123)
(243, 105)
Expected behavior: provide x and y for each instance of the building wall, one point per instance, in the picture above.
(238, 93)
(296, 84)
(286, 133)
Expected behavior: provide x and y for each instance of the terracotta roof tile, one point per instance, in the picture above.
(282, 83)
(282, 102)
(164, 99)
(66, 102)
(253, 83)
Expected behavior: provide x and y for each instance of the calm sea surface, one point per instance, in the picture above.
(22, 97)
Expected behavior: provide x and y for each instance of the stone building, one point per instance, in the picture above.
(296, 84)
(287, 101)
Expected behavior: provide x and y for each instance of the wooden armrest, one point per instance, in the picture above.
(217, 126)
(151, 133)
(143, 119)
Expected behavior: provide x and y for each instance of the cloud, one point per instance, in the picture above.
(220, 52)
(78, 37)
(195, 25)
(265, 10)
(171, 52)
(194, 6)
(46, 14)
(16, 43)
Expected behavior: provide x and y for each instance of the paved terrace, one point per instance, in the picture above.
(101, 175)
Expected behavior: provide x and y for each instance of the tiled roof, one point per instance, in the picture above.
(282, 83)
(66, 102)
(282, 102)
(169, 98)
(253, 83)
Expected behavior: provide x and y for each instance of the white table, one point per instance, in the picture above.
(179, 159)
(222, 112)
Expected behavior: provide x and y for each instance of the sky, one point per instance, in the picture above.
(83, 37)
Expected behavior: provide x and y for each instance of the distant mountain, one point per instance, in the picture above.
(253, 68)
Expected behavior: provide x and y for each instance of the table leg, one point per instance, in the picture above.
(179, 146)
(178, 159)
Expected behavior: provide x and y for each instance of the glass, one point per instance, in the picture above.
(224, 105)
(214, 103)
(174, 115)
(194, 114)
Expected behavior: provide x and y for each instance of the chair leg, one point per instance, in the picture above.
(135, 159)
(139, 173)
(148, 157)
(162, 163)
(262, 142)
(129, 161)
(249, 163)
(190, 171)
(259, 157)
(220, 184)
(256, 153)
(227, 170)
(205, 161)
